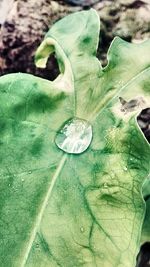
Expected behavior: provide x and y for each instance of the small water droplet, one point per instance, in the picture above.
(105, 185)
(15, 189)
(131, 159)
(101, 255)
(9, 185)
(74, 136)
(30, 172)
(125, 169)
(22, 180)
(82, 229)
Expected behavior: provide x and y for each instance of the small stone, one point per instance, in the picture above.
(82, 2)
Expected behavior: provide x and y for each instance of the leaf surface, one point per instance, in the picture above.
(68, 210)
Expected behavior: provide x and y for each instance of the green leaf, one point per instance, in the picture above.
(67, 210)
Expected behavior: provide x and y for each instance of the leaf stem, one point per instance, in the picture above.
(41, 212)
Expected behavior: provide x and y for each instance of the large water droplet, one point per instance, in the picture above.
(74, 136)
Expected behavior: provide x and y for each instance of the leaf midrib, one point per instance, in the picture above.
(41, 212)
